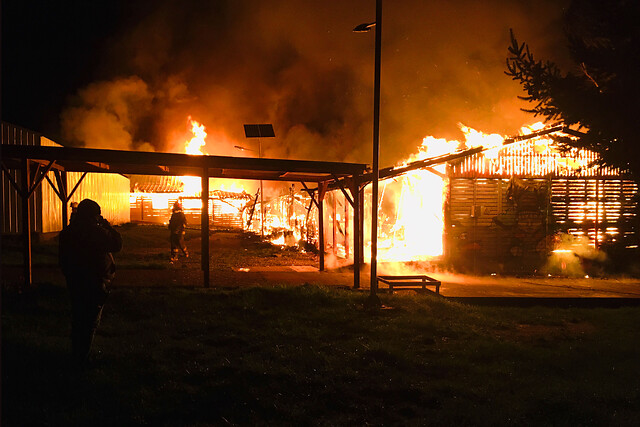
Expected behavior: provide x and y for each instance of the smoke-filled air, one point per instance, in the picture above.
(299, 66)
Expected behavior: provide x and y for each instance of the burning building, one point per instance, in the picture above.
(496, 204)
(152, 198)
(531, 201)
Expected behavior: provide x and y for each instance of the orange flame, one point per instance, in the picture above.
(193, 185)
(417, 229)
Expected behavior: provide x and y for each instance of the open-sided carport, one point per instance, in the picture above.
(35, 162)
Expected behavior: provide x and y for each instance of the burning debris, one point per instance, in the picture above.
(152, 197)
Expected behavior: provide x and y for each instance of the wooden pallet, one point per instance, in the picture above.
(415, 283)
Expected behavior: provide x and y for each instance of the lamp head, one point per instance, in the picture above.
(363, 28)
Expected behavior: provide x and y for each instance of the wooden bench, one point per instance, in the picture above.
(415, 283)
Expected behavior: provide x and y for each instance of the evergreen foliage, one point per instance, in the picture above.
(600, 98)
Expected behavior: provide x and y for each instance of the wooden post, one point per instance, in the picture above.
(361, 220)
(346, 229)
(334, 226)
(204, 223)
(62, 185)
(595, 224)
(321, 232)
(26, 223)
(357, 227)
(322, 190)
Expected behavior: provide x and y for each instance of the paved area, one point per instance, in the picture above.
(453, 286)
(460, 285)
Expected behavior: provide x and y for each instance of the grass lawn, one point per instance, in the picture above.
(308, 355)
(147, 247)
(312, 355)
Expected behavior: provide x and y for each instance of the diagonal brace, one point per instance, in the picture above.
(39, 177)
(344, 191)
(12, 180)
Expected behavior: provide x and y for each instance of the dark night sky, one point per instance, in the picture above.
(126, 74)
(49, 50)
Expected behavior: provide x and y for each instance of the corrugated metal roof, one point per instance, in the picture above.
(156, 184)
(222, 194)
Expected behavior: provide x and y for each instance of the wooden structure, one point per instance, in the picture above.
(505, 212)
(34, 162)
(111, 191)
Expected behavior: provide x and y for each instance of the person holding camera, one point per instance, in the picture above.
(86, 260)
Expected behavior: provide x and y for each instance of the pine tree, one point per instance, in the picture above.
(600, 98)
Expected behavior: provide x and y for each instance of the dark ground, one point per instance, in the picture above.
(169, 352)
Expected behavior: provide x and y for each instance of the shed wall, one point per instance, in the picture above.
(111, 191)
(11, 203)
(494, 224)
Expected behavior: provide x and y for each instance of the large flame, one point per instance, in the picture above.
(414, 229)
(411, 208)
(193, 184)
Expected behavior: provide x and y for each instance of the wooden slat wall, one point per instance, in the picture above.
(524, 160)
(226, 220)
(11, 204)
(477, 209)
(580, 206)
(473, 203)
(111, 191)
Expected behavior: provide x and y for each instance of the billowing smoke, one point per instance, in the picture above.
(574, 256)
(299, 66)
(108, 113)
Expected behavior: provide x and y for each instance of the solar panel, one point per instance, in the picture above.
(259, 131)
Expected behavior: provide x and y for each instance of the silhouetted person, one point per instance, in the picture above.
(177, 225)
(85, 248)
(74, 209)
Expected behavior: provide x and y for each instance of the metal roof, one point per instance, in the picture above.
(155, 184)
(174, 164)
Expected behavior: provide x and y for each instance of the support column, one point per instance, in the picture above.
(321, 244)
(334, 226)
(357, 230)
(26, 222)
(595, 224)
(62, 185)
(204, 223)
(322, 190)
(361, 237)
(347, 248)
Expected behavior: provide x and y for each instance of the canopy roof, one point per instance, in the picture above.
(173, 164)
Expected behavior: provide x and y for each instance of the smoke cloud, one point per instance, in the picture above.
(299, 66)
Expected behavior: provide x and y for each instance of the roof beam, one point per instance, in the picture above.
(150, 163)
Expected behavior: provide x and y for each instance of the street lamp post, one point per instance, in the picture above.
(261, 193)
(259, 131)
(241, 148)
(373, 300)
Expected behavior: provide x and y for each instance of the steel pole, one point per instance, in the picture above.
(376, 154)
(261, 193)
(26, 223)
(204, 224)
